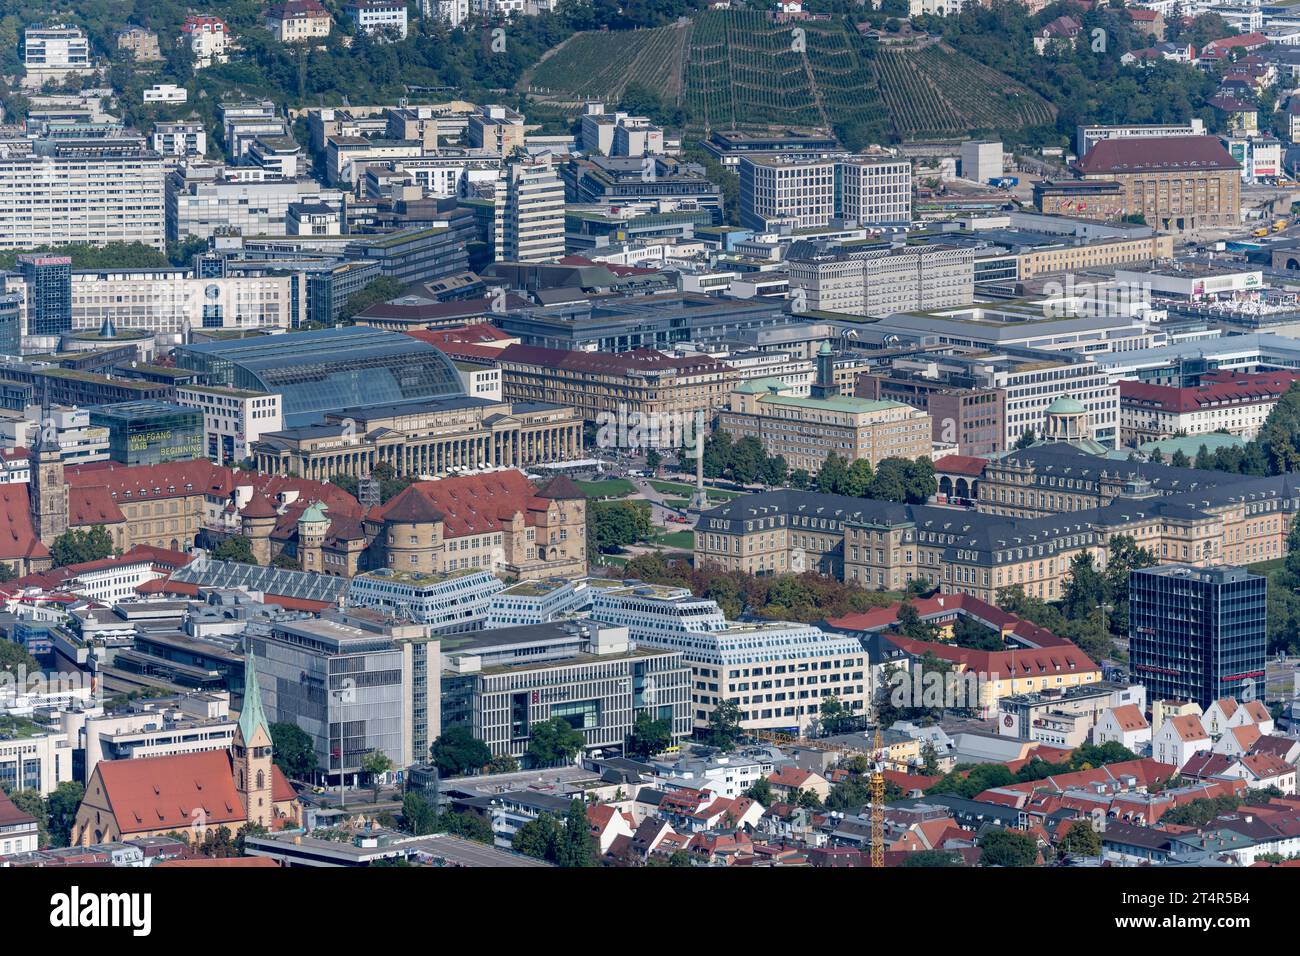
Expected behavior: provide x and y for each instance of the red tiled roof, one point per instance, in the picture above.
(1129, 717)
(18, 540)
(10, 815)
(1188, 727)
(1064, 658)
(1248, 40)
(469, 504)
(161, 793)
(1261, 388)
(258, 507)
(481, 334)
(1156, 154)
(960, 465)
(1266, 765)
(163, 558)
(936, 605)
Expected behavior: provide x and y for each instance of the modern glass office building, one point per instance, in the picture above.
(150, 432)
(1198, 633)
(327, 370)
(11, 329)
(49, 293)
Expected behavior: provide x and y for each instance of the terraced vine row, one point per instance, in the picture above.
(737, 68)
(600, 65)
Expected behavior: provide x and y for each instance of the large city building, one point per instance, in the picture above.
(1036, 509)
(234, 420)
(426, 439)
(1177, 183)
(500, 683)
(326, 370)
(635, 393)
(529, 217)
(881, 280)
(355, 681)
(806, 429)
(809, 193)
(150, 432)
(1198, 633)
(779, 673)
(63, 191)
(1223, 402)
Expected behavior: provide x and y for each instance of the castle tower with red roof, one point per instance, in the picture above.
(257, 521)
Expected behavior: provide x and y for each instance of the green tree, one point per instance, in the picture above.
(835, 717)
(470, 826)
(14, 656)
(761, 792)
(236, 548)
(457, 752)
(575, 846)
(649, 736)
(929, 759)
(376, 764)
(910, 624)
(932, 858)
(77, 547)
(62, 805)
(379, 290)
(417, 816)
(832, 475)
(1008, 848)
(1081, 840)
(1025, 440)
(294, 751)
(724, 725)
(615, 524)
(502, 763)
(554, 741)
(537, 838)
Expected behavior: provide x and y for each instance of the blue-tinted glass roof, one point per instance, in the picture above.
(329, 370)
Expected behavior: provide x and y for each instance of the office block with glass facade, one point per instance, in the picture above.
(501, 683)
(150, 432)
(1198, 633)
(49, 293)
(355, 682)
(11, 328)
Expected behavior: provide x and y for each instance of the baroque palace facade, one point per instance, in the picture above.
(1037, 510)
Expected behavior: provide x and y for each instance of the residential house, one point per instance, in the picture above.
(1125, 726)
(1179, 738)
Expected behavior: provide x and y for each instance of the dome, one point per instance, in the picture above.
(1066, 406)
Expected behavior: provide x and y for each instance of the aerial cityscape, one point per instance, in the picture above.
(683, 434)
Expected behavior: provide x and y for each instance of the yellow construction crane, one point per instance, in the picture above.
(877, 781)
(877, 802)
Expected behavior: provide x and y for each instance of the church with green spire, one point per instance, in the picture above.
(192, 793)
(252, 749)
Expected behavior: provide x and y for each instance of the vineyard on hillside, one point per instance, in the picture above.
(600, 65)
(739, 69)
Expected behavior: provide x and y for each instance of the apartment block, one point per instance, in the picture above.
(75, 190)
(529, 217)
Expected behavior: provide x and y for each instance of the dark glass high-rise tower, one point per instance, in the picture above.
(1198, 633)
(49, 293)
